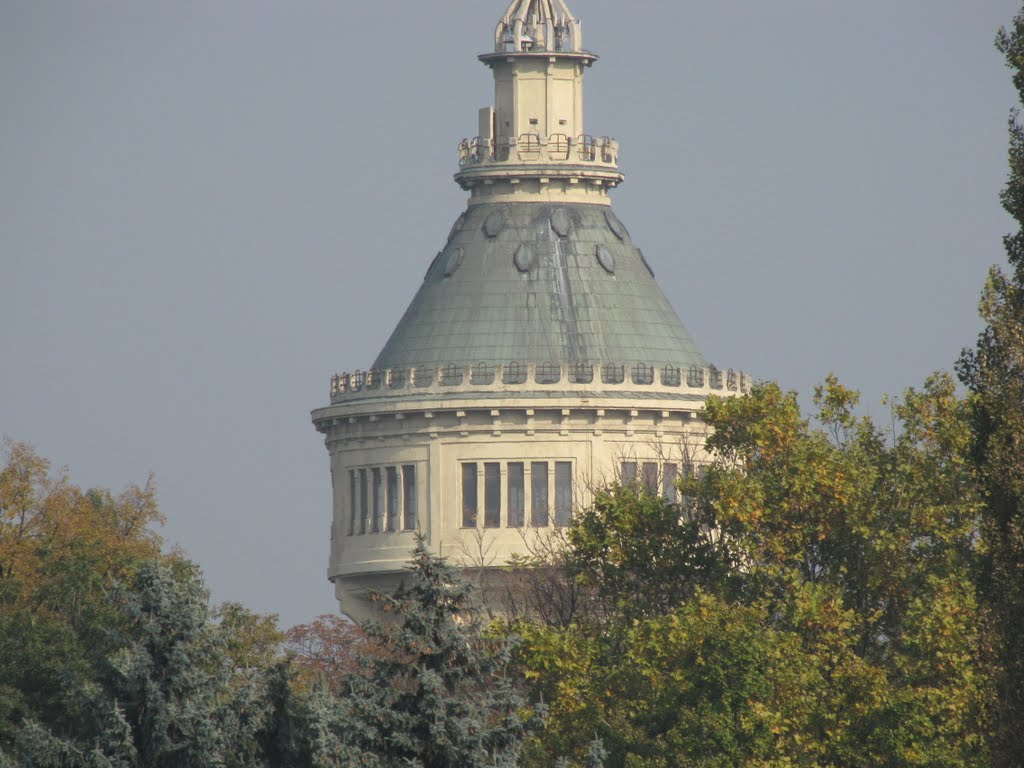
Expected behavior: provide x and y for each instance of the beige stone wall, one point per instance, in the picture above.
(439, 435)
(542, 95)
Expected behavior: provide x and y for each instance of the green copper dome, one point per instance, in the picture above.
(539, 283)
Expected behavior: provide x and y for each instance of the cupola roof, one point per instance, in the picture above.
(536, 283)
(539, 270)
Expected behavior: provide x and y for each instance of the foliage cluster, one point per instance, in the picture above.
(994, 373)
(810, 602)
(825, 594)
(111, 656)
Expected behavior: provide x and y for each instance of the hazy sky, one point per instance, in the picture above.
(209, 206)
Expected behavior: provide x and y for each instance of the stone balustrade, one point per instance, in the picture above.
(534, 149)
(512, 377)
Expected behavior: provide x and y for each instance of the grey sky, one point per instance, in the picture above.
(206, 208)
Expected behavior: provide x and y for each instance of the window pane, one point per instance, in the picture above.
(469, 495)
(668, 481)
(394, 494)
(364, 501)
(563, 492)
(651, 476)
(353, 500)
(492, 495)
(409, 497)
(516, 495)
(628, 472)
(539, 494)
(378, 500)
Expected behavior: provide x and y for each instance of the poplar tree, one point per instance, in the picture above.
(994, 372)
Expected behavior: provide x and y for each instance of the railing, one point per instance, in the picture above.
(584, 377)
(532, 148)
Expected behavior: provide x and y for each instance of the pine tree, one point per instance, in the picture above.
(170, 696)
(994, 371)
(435, 693)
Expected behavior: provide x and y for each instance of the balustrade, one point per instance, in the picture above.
(532, 148)
(607, 376)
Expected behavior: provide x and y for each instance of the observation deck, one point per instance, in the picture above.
(531, 155)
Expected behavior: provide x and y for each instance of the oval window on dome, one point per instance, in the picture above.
(494, 223)
(524, 258)
(615, 225)
(606, 259)
(561, 223)
(644, 261)
(455, 257)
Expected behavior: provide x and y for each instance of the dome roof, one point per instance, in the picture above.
(538, 283)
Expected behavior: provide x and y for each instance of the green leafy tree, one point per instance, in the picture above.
(642, 555)
(994, 371)
(836, 624)
(61, 551)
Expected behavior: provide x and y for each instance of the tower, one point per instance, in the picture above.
(538, 358)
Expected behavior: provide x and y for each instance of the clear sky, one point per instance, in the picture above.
(207, 208)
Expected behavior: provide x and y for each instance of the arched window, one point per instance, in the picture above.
(514, 373)
(549, 373)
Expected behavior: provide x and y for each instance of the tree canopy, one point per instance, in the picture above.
(826, 593)
(810, 601)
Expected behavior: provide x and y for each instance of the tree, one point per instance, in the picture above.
(169, 696)
(994, 372)
(438, 692)
(61, 551)
(110, 654)
(832, 622)
(328, 649)
(643, 555)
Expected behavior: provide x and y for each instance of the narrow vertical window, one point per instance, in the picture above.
(378, 500)
(394, 496)
(409, 497)
(539, 494)
(628, 472)
(364, 501)
(563, 492)
(516, 495)
(668, 482)
(651, 476)
(492, 495)
(353, 502)
(334, 495)
(469, 495)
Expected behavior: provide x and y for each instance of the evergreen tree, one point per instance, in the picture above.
(436, 692)
(169, 696)
(994, 371)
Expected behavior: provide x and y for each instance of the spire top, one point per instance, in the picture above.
(538, 25)
(531, 144)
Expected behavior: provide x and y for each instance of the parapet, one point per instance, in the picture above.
(516, 377)
(533, 148)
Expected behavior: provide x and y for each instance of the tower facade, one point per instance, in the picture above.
(538, 359)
